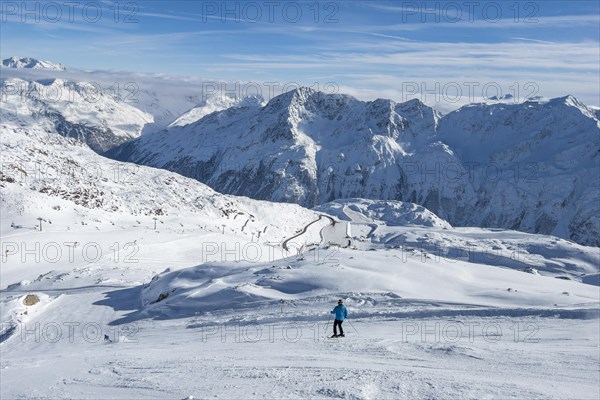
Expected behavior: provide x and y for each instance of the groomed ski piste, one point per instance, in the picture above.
(154, 286)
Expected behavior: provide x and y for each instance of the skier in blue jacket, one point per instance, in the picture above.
(341, 312)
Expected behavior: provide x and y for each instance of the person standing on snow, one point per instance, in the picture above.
(341, 312)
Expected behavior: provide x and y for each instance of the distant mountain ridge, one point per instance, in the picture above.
(531, 166)
(31, 63)
(73, 110)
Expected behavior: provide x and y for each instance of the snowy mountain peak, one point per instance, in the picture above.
(506, 97)
(31, 63)
(569, 100)
(415, 103)
(570, 103)
(509, 100)
(384, 103)
(303, 92)
(306, 98)
(215, 104)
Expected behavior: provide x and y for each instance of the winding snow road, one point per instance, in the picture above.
(303, 231)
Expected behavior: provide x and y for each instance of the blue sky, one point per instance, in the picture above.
(367, 48)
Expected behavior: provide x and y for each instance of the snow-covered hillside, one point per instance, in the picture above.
(534, 166)
(140, 279)
(382, 212)
(377, 224)
(138, 321)
(63, 180)
(530, 166)
(32, 63)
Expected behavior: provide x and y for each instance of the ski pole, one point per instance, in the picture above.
(328, 321)
(353, 327)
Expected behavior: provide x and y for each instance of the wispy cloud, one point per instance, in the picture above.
(166, 16)
(389, 36)
(506, 23)
(533, 40)
(368, 49)
(452, 11)
(519, 56)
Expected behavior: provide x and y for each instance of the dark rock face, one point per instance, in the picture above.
(98, 139)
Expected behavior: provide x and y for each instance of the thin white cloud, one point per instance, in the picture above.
(446, 56)
(533, 40)
(451, 11)
(389, 36)
(166, 16)
(507, 23)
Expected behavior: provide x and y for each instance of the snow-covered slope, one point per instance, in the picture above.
(377, 224)
(244, 286)
(534, 165)
(71, 109)
(382, 212)
(32, 63)
(63, 179)
(419, 325)
(595, 110)
(530, 166)
(152, 285)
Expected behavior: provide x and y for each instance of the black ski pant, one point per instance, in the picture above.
(337, 323)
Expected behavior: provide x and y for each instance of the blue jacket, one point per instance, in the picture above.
(340, 312)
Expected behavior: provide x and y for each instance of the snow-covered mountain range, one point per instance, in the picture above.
(170, 289)
(32, 63)
(164, 98)
(71, 109)
(530, 166)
